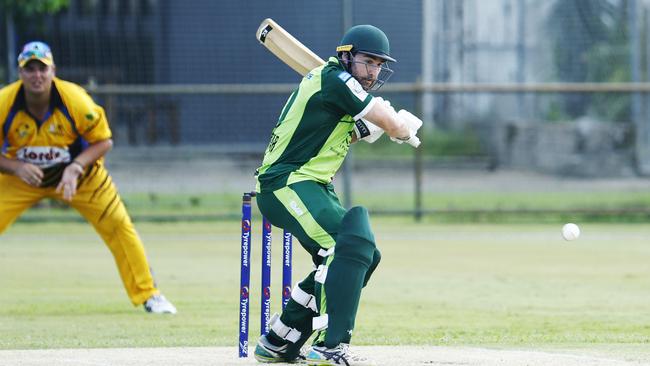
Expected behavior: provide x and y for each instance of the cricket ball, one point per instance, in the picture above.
(570, 231)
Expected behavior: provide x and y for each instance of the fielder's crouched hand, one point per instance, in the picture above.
(52, 175)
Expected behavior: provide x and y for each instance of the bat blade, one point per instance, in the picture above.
(287, 48)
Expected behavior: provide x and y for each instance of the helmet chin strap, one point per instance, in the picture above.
(347, 64)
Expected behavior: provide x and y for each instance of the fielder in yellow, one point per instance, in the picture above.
(53, 140)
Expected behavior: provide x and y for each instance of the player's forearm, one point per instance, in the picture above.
(8, 166)
(94, 152)
(387, 120)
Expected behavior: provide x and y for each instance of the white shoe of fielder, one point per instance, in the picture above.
(340, 355)
(158, 304)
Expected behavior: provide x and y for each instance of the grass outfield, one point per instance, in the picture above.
(513, 286)
(497, 207)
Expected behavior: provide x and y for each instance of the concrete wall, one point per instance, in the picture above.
(582, 148)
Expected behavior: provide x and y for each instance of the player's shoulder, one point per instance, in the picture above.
(7, 98)
(333, 71)
(79, 103)
(9, 90)
(69, 86)
(339, 82)
(335, 77)
(74, 95)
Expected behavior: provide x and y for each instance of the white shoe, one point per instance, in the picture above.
(340, 355)
(158, 304)
(265, 352)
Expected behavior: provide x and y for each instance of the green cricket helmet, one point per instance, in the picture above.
(366, 39)
(369, 40)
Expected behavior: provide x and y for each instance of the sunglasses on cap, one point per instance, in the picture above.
(35, 51)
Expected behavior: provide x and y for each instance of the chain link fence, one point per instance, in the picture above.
(556, 87)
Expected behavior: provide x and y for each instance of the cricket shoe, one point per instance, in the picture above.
(340, 355)
(265, 352)
(158, 304)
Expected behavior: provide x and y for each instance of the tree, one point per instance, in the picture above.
(28, 8)
(590, 44)
(16, 14)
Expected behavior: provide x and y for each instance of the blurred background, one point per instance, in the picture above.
(532, 109)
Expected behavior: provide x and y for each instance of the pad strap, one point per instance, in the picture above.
(321, 274)
(320, 322)
(303, 298)
(325, 253)
(287, 333)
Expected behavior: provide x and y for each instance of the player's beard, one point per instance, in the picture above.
(366, 82)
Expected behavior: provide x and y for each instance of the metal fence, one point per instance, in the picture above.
(559, 87)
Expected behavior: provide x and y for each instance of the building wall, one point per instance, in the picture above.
(214, 42)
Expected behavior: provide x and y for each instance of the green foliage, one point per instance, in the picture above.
(435, 143)
(29, 14)
(455, 207)
(612, 106)
(590, 41)
(555, 112)
(452, 143)
(33, 7)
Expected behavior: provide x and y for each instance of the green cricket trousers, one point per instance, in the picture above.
(312, 212)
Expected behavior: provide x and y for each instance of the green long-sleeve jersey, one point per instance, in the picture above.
(314, 130)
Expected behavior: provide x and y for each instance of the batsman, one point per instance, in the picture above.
(330, 109)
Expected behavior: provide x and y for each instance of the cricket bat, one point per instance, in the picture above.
(287, 48)
(297, 56)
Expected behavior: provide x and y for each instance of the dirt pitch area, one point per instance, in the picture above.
(400, 355)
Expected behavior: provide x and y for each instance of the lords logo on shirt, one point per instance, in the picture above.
(43, 156)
